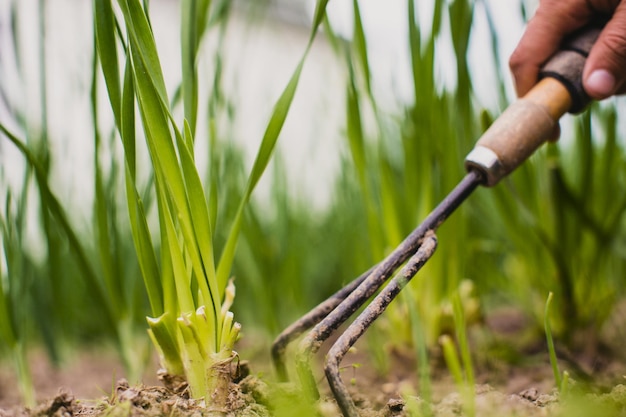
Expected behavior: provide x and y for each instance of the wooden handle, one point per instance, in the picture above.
(519, 131)
(532, 120)
(552, 96)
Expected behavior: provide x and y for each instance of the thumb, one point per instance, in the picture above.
(605, 70)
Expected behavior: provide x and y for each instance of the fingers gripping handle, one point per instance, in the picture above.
(568, 63)
(531, 120)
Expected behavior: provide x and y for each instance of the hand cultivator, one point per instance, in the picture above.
(512, 138)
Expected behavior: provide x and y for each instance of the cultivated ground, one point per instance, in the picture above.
(91, 384)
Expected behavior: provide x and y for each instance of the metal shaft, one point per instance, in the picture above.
(445, 208)
(314, 339)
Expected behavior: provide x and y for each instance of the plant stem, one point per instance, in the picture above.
(551, 350)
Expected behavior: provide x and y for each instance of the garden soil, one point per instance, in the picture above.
(90, 385)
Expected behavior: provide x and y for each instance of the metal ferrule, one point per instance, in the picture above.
(485, 161)
(511, 139)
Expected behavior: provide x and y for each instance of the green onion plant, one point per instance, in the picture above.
(186, 280)
(460, 364)
(561, 380)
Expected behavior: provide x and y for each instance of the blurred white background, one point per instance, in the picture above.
(263, 46)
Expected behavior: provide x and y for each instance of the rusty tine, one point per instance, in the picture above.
(311, 343)
(307, 321)
(366, 318)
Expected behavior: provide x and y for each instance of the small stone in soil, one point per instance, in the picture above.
(531, 394)
(395, 405)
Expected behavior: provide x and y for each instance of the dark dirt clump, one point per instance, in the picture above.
(146, 401)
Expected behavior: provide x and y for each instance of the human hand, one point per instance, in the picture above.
(605, 70)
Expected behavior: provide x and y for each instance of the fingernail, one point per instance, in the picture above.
(600, 83)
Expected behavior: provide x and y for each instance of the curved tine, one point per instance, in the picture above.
(307, 321)
(311, 343)
(314, 339)
(366, 318)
